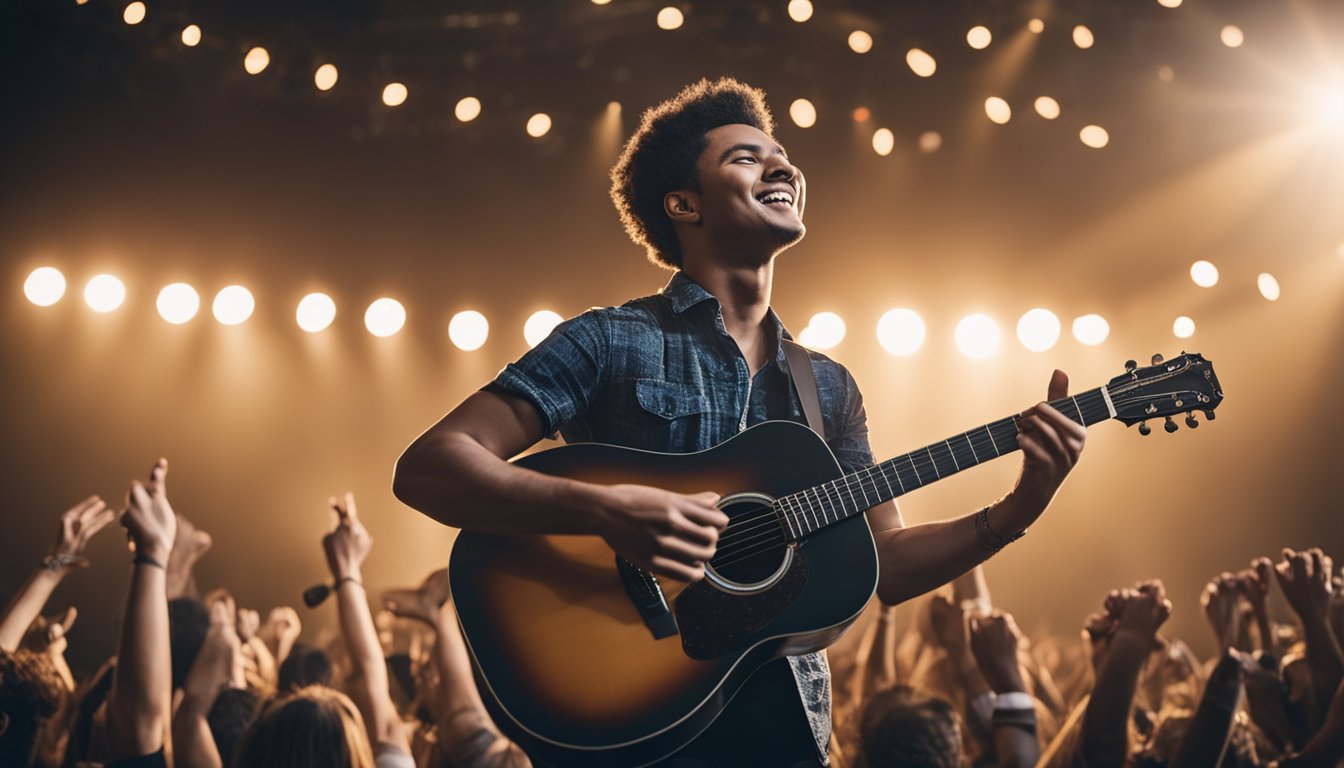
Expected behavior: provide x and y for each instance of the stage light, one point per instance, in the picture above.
(824, 331)
(45, 286)
(1036, 26)
(901, 331)
(601, 2)
(256, 60)
(979, 38)
(860, 41)
(670, 18)
(800, 10)
(1204, 274)
(1166, 74)
(394, 94)
(1047, 107)
(1091, 330)
(1183, 327)
(468, 330)
(81, 2)
(134, 13)
(467, 109)
(884, 141)
(1094, 136)
(861, 114)
(384, 317)
(178, 303)
(1232, 36)
(1269, 287)
(920, 62)
(539, 326)
(977, 336)
(804, 114)
(233, 305)
(1082, 37)
(104, 293)
(1169, 3)
(997, 110)
(316, 312)
(191, 35)
(538, 125)
(1038, 329)
(325, 77)
(930, 142)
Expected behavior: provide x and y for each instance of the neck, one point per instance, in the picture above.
(743, 292)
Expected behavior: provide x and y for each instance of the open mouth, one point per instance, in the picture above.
(778, 199)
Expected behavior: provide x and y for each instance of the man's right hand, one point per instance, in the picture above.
(669, 534)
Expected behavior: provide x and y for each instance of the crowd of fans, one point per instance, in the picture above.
(198, 681)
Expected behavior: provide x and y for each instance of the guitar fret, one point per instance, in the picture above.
(883, 472)
(1081, 420)
(850, 490)
(955, 463)
(993, 442)
(866, 503)
(967, 437)
(788, 518)
(936, 473)
(813, 508)
(911, 459)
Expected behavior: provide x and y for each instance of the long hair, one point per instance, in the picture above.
(313, 727)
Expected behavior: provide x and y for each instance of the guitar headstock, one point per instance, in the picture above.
(1183, 384)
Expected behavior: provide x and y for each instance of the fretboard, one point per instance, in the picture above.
(822, 505)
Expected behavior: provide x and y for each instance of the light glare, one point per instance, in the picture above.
(804, 114)
(670, 18)
(256, 61)
(920, 62)
(1047, 107)
(824, 331)
(800, 10)
(384, 317)
(394, 94)
(901, 331)
(860, 41)
(1038, 329)
(233, 305)
(539, 326)
(979, 37)
(134, 13)
(997, 110)
(1269, 287)
(1094, 136)
(538, 125)
(1036, 26)
(45, 286)
(1232, 36)
(1082, 37)
(178, 303)
(1169, 3)
(468, 330)
(930, 142)
(977, 336)
(1183, 327)
(884, 141)
(1204, 273)
(467, 109)
(315, 313)
(104, 293)
(1091, 330)
(325, 77)
(191, 35)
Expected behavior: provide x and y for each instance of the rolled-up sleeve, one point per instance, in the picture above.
(562, 374)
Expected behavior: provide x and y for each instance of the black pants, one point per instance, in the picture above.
(765, 725)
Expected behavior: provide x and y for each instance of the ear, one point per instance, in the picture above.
(681, 207)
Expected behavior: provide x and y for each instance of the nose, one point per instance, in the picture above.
(782, 169)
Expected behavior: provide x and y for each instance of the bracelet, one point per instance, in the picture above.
(988, 540)
(350, 579)
(62, 561)
(1014, 701)
(143, 559)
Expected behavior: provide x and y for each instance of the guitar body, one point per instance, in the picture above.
(570, 668)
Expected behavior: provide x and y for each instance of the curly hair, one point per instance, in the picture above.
(30, 693)
(903, 728)
(660, 157)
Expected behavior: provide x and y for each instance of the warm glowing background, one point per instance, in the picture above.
(225, 153)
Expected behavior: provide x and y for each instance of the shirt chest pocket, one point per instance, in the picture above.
(672, 417)
(669, 399)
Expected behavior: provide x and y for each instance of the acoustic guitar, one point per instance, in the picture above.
(585, 660)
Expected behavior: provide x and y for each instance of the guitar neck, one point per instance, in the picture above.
(815, 508)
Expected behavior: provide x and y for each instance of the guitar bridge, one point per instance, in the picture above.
(644, 592)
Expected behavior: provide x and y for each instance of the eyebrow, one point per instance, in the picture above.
(751, 148)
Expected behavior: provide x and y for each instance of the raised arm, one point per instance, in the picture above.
(78, 525)
(920, 558)
(346, 548)
(456, 473)
(1305, 580)
(138, 705)
(994, 641)
(193, 744)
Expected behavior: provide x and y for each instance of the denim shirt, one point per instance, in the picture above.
(662, 374)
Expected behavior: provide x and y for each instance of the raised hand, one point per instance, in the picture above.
(422, 603)
(189, 547)
(1305, 580)
(1141, 610)
(670, 534)
(994, 641)
(350, 542)
(948, 623)
(148, 517)
(78, 525)
(215, 665)
(249, 621)
(281, 631)
(1051, 445)
(1221, 601)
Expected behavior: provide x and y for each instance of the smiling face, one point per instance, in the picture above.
(750, 195)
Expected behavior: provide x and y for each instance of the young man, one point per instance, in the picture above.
(704, 187)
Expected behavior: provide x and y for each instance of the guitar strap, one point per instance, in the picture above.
(805, 384)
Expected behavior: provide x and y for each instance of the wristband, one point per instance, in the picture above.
(143, 559)
(1014, 701)
(59, 562)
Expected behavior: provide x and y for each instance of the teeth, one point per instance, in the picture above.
(777, 197)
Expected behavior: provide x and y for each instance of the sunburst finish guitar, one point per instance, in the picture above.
(585, 660)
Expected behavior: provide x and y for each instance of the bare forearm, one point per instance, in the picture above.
(138, 703)
(26, 606)
(1015, 747)
(193, 743)
(457, 688)
(1325, 660)
(366, 656)
(1105, 723)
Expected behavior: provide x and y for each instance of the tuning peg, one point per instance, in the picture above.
(1170, 426)
(1157, 359)
(1210, 415)
(1131, 366)
(1190, 420)
(1144, 429)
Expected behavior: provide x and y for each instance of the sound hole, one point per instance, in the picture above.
(752, 547)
